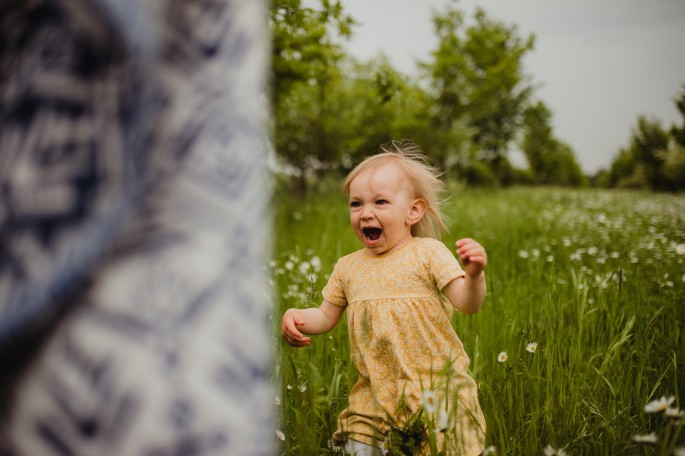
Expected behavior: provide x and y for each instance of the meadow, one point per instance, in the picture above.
(594, 278)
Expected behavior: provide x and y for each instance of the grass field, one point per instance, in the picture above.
(595, 278)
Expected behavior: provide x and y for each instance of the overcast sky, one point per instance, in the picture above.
(598, 63)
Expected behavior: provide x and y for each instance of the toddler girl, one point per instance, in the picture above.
(402, 342)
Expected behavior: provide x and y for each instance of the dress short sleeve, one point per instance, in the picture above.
(444, 267)
(334, 292)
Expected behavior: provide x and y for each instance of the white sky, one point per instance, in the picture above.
(598, 64)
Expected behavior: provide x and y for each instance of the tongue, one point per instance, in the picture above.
(373, 233)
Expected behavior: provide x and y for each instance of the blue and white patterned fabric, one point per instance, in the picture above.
(134, 228)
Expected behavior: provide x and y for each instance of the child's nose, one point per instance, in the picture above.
(367, 211)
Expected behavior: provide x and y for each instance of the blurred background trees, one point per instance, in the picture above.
(471, 105)
(654, 158)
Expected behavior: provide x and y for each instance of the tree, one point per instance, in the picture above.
(477, 79)
(640, 164)
(678, 132)
(673, 167)
(304, 72)
(302, 47)
(550, 160)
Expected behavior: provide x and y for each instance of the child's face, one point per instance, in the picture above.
(381, 208)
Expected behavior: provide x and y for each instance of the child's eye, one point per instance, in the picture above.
(381, 202)
(355, 204)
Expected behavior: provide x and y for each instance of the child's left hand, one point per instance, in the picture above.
(472, 256)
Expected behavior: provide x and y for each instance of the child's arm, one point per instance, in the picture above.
(467, 295)
(315, 320)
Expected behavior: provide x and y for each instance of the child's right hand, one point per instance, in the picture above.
(291, 320)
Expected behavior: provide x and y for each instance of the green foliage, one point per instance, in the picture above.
(678, 132)
(640, 164)
(550, 160)
(477, 77)
(301, 44)
(331, 111)
(595, 278)
(655, 158)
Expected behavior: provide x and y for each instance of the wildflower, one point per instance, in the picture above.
(646, 438)
(316, 263)
(430, 401)
(592, 250)
(536, 253)
(277, 400)
(680, 249)
(489, 451)
(615, 254)
(673, 412)
(680, 451)
(289, 387)
(304, 267)
(443, 422)
(502, 357)
(659, 405)
(523, 254)
(280, 435)
(532, 347)
(289, 265)
(551, 451)
(550, 259)
(302, 388)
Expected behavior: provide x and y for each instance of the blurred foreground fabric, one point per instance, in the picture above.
(134, 227)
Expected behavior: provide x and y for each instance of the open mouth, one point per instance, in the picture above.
(372, 234)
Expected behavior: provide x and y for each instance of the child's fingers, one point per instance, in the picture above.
(296, 339)
(479, 260)
(297, 342)
(292, 335)
(468, 254)
(465, 241)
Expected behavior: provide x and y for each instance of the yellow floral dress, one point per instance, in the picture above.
(402, 344)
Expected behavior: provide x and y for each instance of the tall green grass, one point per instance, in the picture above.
(595, 278)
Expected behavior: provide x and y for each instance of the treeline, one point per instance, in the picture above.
(654, 158)
(471, 104)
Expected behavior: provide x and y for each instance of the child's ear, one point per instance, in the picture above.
(416, 211)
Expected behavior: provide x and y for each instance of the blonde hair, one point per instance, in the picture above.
(424, 180)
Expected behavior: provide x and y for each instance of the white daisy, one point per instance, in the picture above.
(302, 388)
(502, 357)
(280, 435)
(430, 401)
(673, 412)
(551, 451)
(443, 422)
(646, 438)
(489, 451)
(659, 405)
(532, 347)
